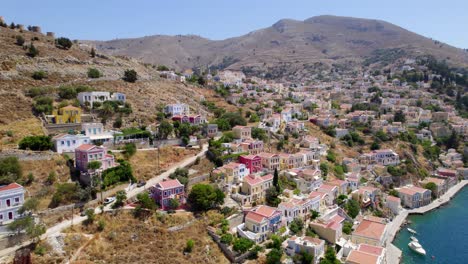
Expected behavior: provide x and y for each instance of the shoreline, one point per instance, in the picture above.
(394, 253)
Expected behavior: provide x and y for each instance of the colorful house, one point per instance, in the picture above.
(259, 223)
(67, 115)
(11, 199)
(164, 191)
(68, 143)
(87, 153)
(371, 230)
(252, 162)
(314, 246)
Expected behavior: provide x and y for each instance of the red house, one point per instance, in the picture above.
(252, 162)
(164, 191)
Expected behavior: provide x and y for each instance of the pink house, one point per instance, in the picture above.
(164, 191)
(192, 119)
(252, 162)
(87, 153)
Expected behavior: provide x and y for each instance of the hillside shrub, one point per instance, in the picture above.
(63, 43)
(39, 75)
(10, 170)
(94, 73)
(130, 76)
(37, 143)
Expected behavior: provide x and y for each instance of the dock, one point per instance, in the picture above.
(394, 253)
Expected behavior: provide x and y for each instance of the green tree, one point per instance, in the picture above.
(433, 188)
(296, 226)
(303, 257)
(93, 52)
(51, 178)
(120, 198)
(145, 201)
(33, 230)
(274, 256)
(204, 197)
(90, 216)
(174, 204)
(393, 192)
(324, 169)
(330, 257)
(352, 208)
(63, 43)
(32, 51)
(29, 205)
(94, 165)
(271, 197)
(129, 150)
(165, 129)
(276, 180)
(314, 214)
(242, 244)
(10, 170)
(94, 73)
(226, 239)
(375, 145)
(130, 76)
(399, 117)
(347, 227)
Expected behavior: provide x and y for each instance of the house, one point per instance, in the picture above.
(191, 119)
(67, 115)
(259, 223)
(87, 153)
(330, 225)
(252, 162)
(449, 175)
(441, 185)
(311, 245)
(306, 180)
(11, 199)
(366, 195)
(253, 146)
(393, 203)
(299, 207)
(254, 188)
(372, 231)
(163, 192)
(177, 109)
(341, 132)
(270, 161)
(242, 132)
(235, 172)
(68, 143)
(99, 97)
(210, 130)
(383, 157)
(97, 134)
(310, 142)
(366, 254)
(331, 190)
(414, 197)
(342, 186)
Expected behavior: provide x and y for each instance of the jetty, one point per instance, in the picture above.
(394, 253)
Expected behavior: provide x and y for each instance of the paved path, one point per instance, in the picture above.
(132, 193)
(393, 253)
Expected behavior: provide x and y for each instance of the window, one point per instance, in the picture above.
(17, 199)
(8, 203)
(63, 142)
(1, 216)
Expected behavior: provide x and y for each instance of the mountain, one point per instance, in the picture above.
(287, 44)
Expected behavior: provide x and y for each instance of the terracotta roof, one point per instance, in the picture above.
(170, 184)
(370, 229)
(358, 257)
(10, 186)
(85, 147)
(266, 211)
(252, 180)
(393, 198)
(253, 216)
(375, 250)
(313, 240)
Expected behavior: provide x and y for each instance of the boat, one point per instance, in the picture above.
(414, 239)
(411, 231)
(416, 247)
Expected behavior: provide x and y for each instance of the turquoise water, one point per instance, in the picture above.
(443, 233)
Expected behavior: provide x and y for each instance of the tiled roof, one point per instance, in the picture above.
(85, 147)
(358, 257)
(10, 186)
(375, 250)
(266, 211)
(253, 216)
(170, 184)
(370, 229)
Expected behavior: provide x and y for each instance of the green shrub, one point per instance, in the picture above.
(121, 173)
(19, 40)
(94, 73)
(64, 43)
(189, 246)
(39, 75)
(242, 244)
(130, 76)
(43, 104)
(37, 143)
(32, 51)
(10, 170)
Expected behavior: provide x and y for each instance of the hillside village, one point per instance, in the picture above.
(266, 171)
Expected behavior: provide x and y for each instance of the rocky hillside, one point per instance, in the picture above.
(289, 44)
(70, 67)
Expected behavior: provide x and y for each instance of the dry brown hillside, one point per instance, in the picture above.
(70, 67)
(288, 45)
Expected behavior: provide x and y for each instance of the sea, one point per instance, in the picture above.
(443, 233)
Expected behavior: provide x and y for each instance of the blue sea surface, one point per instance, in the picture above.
(443, 233)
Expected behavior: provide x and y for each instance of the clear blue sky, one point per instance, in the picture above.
(446, 20)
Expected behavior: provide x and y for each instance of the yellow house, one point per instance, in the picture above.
(66, 115)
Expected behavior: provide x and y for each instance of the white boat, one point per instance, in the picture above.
(416, 247)
(411, 230)
(414, 239)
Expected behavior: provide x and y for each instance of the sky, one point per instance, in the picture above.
(445, 21)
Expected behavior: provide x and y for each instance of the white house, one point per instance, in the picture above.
(11, 199)
(68, 143)
(93, 97)
(96, 132)
(313, 246)
(177, 109)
